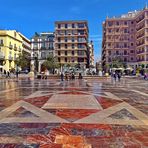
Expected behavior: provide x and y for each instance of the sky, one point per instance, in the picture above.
(30, 16)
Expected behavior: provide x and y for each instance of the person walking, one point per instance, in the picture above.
(114, 75)
(62, 76)
(5, 74)
(17, 74)
(119, 76)
(8, 74)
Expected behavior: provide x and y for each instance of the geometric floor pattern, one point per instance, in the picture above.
(74, 114)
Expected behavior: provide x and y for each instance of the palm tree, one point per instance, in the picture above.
(51, 63)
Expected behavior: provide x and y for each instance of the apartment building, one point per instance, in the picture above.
(26, 45)
(71, 42)
(42, 44)
(11, 45)
(126, 38)
(91, 53)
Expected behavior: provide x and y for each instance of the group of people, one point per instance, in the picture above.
(44, 74)
(7, 74)
(146, 76)
(69, 76)
(116, 75)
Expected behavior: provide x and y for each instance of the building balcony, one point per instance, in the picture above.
(10, 46)
(140, 28)
(20, 49)
(140, 19)
(15, 58)
(140, 52)
(10, 58)
(140, 44)
(71, 28)
(15, 48)
(140, 36)
(1, 44)
(2, 56)
(43, 48)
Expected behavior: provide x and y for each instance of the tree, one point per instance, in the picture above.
(51, 63)
(117, 63)
(22, 61)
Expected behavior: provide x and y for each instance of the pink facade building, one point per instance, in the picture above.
(126, 38)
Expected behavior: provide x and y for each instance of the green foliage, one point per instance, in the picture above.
(22, 61)
(51, 62)
(117, 63)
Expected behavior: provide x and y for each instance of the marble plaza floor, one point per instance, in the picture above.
(74, 114)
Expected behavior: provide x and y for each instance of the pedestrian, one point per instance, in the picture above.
(73, 76)
(66, 77)
(114, 75)
(8, 74)
(62, 76)
(5, 74)
(119, 76)
(46, 74)
(80, 76)
(17, 74)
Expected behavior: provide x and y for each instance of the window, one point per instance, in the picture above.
(1, 42)
(125, 31)
(73, 25)
(65, 59)
(59, 53)
(81, 32)
(66, 32)
(66, 39)
(109, 30)
(132, 22)
(125, 59)
(10, 53)
(117, 23)
(132, 44)
(66, 46)
(66, 26)
(59, 39)
(117, 30)
(59, 59)
(72, 52)
(125, 52)
(73, 46)
(110, 23)
(81, 25)
(65, 52)
(109, 52)
(81, 46)
(81, 52)
(73, 60)
(14, 34)
(59, 46)
(125, 45)
(125, 23)
(117, 52)
(81, 39)
(72, 39)
(43, 55)
(80, 59)
(59, 25)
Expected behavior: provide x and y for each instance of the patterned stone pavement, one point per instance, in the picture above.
(96, 113)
